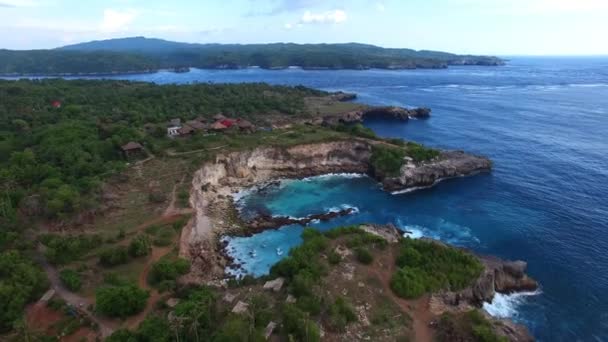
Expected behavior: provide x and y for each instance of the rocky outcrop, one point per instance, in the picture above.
(265, 221)
(448, 164)
(498, 276)
(341, 96)
(390, 113)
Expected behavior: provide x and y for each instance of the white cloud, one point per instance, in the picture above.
(380, 7)
(18, 3)
(328, 17)
(114, 21)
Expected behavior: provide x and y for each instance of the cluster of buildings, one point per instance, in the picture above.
(220, 123)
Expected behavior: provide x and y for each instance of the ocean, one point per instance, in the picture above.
(544, 123)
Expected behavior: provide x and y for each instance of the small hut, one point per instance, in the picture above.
(219, 117)
(132, 149)
(246, 126)
(218, 126)
(197, 125)
(185, 131)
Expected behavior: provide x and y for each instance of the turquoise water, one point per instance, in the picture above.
(544, 123)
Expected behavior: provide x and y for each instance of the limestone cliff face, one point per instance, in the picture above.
(262, 164)
(348, 156)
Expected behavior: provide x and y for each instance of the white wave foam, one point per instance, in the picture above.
(506, 305)
(413, 231)
(335, 175)
(338, 209)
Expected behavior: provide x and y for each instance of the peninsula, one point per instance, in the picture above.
(143, 55)
(118, 197)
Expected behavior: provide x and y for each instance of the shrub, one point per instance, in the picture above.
(297, 324)
(420, 152)
(363, 255)
(340, 314)
(63, 249)
(21, 282)
(408, 283)
(139, 246)
(114, 256)
(154, 328)
(237, 328)
(70, 279)
(157, 197)
(120, 301)
(163, 238)
(427, 266)
(469, 326)
(387, 160)
(167, 269)
(199, 310)
(183, 196)
(334, 258)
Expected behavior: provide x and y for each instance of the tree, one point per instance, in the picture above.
(120, 301)
(139, 246)
(71, 279)
(114, 256)
(21, 282)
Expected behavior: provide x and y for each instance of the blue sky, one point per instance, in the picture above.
(503, 27)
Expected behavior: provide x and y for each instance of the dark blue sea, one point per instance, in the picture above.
(544, 123)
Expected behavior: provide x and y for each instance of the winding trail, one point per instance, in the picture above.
(80, 303)
(422, 316)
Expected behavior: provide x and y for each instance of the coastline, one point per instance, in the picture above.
(214, 184)
(244, 67)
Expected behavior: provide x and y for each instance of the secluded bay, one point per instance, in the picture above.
(543, 121)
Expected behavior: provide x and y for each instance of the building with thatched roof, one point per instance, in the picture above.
(185, 130)
(131, 149)
(245, 126)
(218, 126)
(219, 117)
(197, 125)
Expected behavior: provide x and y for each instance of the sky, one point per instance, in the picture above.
(498, 27)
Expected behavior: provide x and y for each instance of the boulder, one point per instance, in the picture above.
(240, 307)
(274, 285)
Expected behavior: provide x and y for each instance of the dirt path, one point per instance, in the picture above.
(420, 313)
(80, 303)
(171, 153)
(142, 282)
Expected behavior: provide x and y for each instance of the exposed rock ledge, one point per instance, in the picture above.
(390, 112)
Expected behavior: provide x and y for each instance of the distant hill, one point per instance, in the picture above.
(140, 54)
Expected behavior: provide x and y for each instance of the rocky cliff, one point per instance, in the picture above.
(347, 156)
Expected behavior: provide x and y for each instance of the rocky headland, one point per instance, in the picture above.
(215, 182)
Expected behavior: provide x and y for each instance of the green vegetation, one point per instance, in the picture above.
(426, 266)
(340, 314)
(139, 246)
(70, 279)
(120, 301)
(141, 54)
(54, 160)
(469, 326)
(387, 160)
(168, 270)
(63, 249)
(21, 282)
(363, 255)
(420, 153)
(113, 256)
